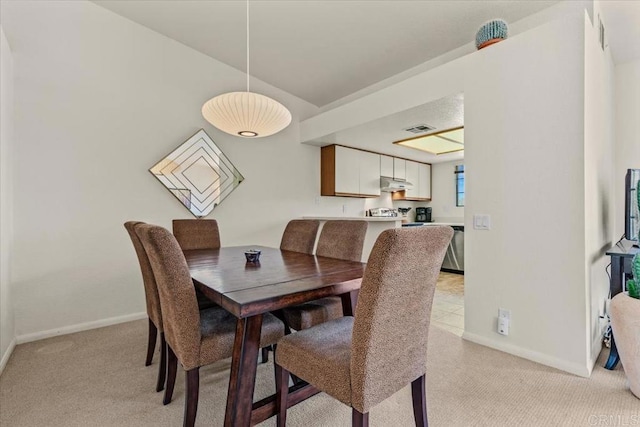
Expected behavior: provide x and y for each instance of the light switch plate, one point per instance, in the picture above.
(481, 222)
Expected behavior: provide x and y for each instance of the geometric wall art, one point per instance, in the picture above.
(198, 174)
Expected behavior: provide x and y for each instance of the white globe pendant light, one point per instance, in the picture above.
(246, 114)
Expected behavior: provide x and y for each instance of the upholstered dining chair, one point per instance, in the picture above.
(194, 337)
(365, 359)
(153, 305)
(340, 239)
(197, 233)
(300, 236)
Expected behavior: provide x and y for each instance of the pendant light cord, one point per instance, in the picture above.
(247, 45)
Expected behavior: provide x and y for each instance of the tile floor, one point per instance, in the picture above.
(448, 304)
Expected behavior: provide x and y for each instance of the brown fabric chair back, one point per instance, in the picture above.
(180, 312)
(300, 235)
(149, 281)
(391, 326)
(196, 233)
(342, 239)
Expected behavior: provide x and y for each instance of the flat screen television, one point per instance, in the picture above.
(632, 216)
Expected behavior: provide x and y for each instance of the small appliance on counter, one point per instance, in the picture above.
(383, 212)
(423, 214)
(403, 214)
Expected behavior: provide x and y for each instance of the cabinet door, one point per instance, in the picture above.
(386, 166)
(369, 173)
(399, 169)
(413, 176)
(347, 170)
(424, 183)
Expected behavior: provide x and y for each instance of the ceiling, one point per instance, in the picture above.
(379, 135)
(622, 28)
(322, 51)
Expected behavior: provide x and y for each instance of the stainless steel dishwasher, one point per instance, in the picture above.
(454, 258)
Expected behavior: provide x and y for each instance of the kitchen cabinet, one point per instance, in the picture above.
(418, 174)
(412, 177)
(424, 181)
(347, 175)
(400, 169)
(349, 172)
(369, 173)
(386, 166)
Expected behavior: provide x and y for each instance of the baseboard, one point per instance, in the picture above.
(597, 346)
(21, 339)
(7, 355)
(534, 356)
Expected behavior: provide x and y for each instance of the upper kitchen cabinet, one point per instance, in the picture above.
(393, 167)
(418, 174)
(386, 166)
(400, 169)
(349, 172)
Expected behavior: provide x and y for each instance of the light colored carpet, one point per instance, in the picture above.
(98, 378)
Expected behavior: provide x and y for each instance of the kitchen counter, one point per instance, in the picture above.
(356, 218)
(451, 224)
(375, 226)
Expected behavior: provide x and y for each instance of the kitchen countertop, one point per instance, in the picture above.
(356, 218)
(451, 224)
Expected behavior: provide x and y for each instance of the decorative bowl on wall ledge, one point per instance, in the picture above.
(491, 32)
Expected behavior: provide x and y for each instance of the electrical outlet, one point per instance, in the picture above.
(503, 326)
(344, 208)
(504, 321)
(317, 200)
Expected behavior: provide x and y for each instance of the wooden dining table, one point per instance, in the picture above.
(248, 290)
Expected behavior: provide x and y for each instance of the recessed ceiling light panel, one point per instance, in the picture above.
(447, 141)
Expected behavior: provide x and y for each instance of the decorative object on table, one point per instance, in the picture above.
(252, 255)
(246, 114)
(198, 174)
(491, 32)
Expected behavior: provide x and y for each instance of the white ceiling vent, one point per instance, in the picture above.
(419, 128)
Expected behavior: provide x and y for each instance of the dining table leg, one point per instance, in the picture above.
(243, 372)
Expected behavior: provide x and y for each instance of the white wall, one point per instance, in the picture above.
(598, 178)
(627, 132)
(524, 166)
(443, 192)
(6, 200)
(99, 99)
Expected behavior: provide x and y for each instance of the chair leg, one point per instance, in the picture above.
(151, 343)
(282, 392)
(418, 392)
(172, 367)
(162, 370)
(191, 402)
(358, 419)
(265, 354)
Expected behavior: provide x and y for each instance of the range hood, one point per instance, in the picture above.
(392, 185)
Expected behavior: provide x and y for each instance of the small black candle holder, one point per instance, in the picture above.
(252, 255)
